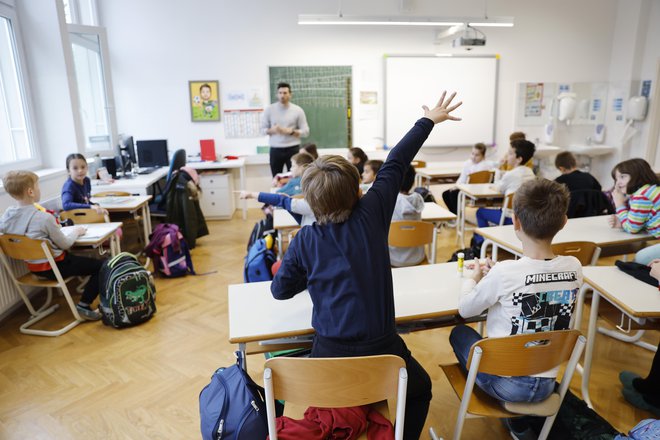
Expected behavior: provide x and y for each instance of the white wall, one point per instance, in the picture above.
(156, 47)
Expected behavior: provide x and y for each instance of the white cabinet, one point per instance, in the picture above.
(217, 200)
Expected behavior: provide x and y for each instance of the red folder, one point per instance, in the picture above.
(207, 147)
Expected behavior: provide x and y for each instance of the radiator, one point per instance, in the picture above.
(9, 297)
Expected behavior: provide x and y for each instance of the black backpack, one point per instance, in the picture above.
(425, 193)
(262, 228)
(127, 292)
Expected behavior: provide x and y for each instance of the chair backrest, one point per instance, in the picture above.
(418, 163)
(507, 207)
(335, 382)
(20, 247)
(519, 355)
(112, 194)
(484, 176)
(87, 215)
(178, 161)
(410, 233)
(585, 251)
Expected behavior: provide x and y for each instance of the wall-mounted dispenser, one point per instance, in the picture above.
(637, 107)
(567, 106)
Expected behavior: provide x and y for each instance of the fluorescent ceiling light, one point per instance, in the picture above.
(306, 19)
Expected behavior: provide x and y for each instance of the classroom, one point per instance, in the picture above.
(193, 80)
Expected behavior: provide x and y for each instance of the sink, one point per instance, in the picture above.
(547, 150)
(591, 150)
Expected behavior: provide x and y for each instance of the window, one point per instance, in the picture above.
(16, 143)
(92, 78)
(80, 12)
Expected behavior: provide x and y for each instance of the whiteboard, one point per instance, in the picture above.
(413, 81)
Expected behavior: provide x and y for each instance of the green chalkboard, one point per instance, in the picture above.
(324, 92)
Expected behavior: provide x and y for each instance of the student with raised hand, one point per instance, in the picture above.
(297, 207)
(477, 162)
(519, 298)
(343, 261)
(636, 197)
(299, 162)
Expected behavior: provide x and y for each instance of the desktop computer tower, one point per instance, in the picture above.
(112, 164)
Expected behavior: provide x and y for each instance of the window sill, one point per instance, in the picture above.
(45, 174)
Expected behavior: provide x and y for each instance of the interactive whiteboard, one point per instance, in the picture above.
(412, 81)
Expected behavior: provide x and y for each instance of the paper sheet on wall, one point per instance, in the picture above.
(242, 111)
(533, 99)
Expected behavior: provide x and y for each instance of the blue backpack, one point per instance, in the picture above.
(259, 262)
(232, 406)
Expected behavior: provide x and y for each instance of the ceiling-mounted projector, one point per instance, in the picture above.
(464, 41)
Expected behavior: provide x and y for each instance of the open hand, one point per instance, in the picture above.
(619, 197)
(441, 111)
(80, 230)
(249, 195)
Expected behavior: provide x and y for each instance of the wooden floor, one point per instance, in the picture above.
(100, 383)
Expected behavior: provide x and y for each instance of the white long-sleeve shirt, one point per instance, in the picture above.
(511, 180)
(470, 167)
(525, 296)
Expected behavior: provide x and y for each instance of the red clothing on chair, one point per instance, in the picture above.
(336, 423)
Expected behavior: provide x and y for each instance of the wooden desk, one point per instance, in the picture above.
(638, 300)
(475, 192)
(438, 171)
(97, 234)
(254, 315)
(594, 229)
(131, 205)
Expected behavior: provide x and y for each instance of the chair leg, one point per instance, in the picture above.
(433, 435)
(547, 426)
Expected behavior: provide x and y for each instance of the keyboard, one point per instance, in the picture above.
(148, 170)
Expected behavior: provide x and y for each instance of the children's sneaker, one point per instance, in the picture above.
(626, 378)
(88, 314)
(517, 434)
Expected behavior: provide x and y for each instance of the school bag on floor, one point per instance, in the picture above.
(169, 251)
(259, 260)
(232, 406)
(127, 292)
(262, 228)
(648, 429)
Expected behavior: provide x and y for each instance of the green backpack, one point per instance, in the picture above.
(127, 292)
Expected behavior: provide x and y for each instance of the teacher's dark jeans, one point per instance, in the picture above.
(281, 156)
(419, 382)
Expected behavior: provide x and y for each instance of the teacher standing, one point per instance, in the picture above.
(285, 123)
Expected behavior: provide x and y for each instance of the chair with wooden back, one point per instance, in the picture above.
(484, 176)
(507, 207)
(411, 233)
(519, 355)
(20, 247)
(585, 251)
(336, 383)
(418, 164)
(85, 215)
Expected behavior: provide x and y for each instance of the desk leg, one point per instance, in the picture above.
(589, 351)
(280, 245)
(146, 215)
(243, 184)
(436, 230)
(635, 339)
(460, 220)
(577, 323)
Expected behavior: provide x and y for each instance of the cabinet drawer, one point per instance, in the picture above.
(214, 181)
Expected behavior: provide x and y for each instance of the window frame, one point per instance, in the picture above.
(100, 32)
(9, 12)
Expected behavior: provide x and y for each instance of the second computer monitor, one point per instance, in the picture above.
(152, 153)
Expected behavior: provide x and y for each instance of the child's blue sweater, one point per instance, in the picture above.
(292, 187)
(346, 266)
(76, 196)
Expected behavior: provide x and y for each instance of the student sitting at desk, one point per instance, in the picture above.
(519, 298)
(26, 219)
(77, 190)
(520, 152)
(371, 168)
(299, 162)
(571, 176)
(409, 206)
(636, 197)
(477, 162)
(343, 261)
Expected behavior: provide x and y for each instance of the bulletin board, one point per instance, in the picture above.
(324, 93)
(413, 81)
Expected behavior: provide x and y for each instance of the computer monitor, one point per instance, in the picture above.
(126, 155)
(126, 144)
(152, 153)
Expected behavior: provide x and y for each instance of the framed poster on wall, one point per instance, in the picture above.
(204, 101)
